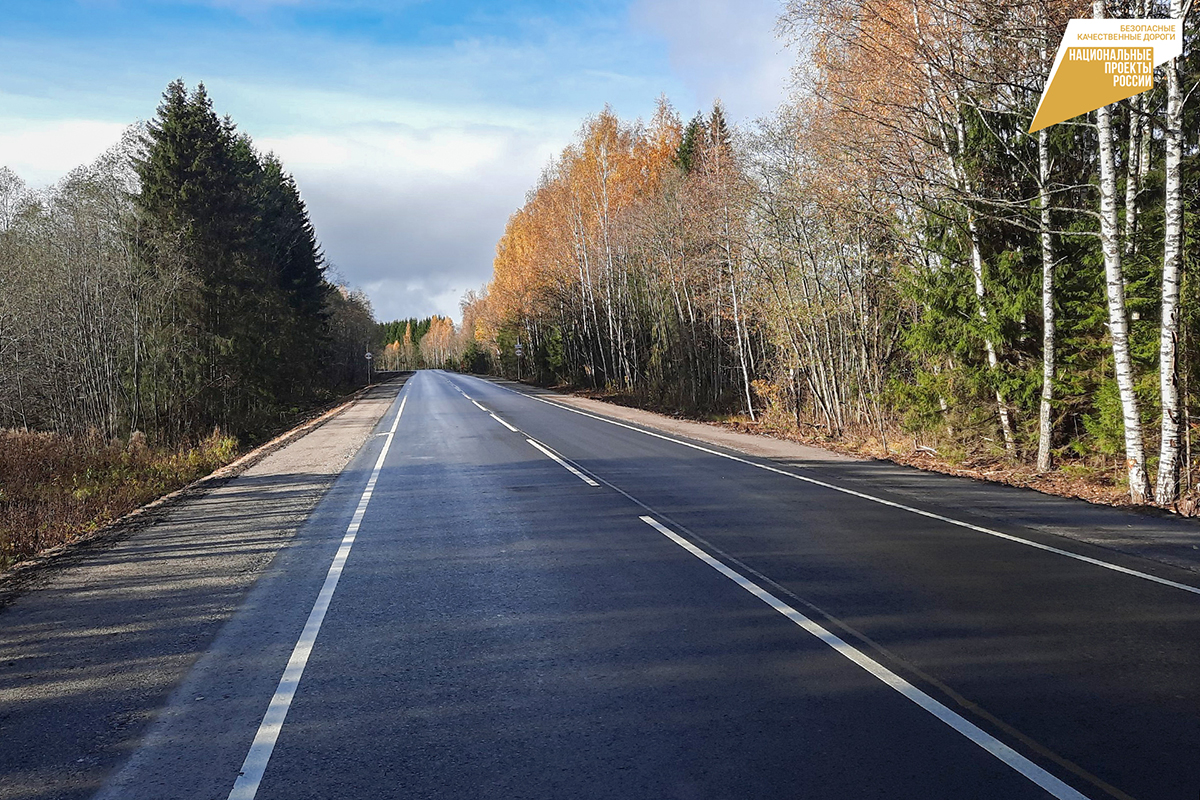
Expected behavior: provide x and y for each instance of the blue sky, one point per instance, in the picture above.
(414, 128)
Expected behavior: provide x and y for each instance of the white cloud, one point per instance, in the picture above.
(411, 156)
(411, 215)
(393, 149)
(417, 299)
(307, 150)
(412, 212)
(722, 49)
(42, 151)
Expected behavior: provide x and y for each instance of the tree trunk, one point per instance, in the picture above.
(1133, 171)
(1045, 414)
(1167, 489)
(1135, 453)
(737, 329)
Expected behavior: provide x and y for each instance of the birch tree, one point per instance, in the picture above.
(1118, 322)
(1167, 485)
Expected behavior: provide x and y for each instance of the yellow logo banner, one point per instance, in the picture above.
(1101, 61)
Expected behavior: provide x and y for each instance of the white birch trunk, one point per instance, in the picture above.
(1135, 452)
(1045, 414)
(1133, 173)
(737, 325)
(1133, 167)
(1167, 489)
(963, 185)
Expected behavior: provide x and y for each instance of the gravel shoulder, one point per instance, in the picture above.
(98, 635)
(1156, 536)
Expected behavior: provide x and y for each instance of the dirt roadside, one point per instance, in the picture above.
(100, 633)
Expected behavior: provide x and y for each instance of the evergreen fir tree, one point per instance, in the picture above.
(695, 139)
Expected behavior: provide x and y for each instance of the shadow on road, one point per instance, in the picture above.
(96, 645)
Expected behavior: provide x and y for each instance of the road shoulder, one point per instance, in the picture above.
(91, 651)
(1157, 536)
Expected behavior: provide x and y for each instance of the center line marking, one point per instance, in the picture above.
(562, 462)
(505, 424)
(963, 726)
(872, 498)
(478, 405)
(250, 776)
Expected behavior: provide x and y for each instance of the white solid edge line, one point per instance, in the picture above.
(505, 424)
(928, 514)
(963, 726)
(250, 776)
(563, 463)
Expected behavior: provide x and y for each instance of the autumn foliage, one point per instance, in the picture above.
(891, 256)
(623, 269)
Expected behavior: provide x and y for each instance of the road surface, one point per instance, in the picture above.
(506, 597)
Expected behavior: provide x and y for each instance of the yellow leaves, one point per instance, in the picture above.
(392, 357)
(440, 342)
(656, 150)
(892, 75)
(522, 256)
(565, 232)
(477, 323)
(610, 213)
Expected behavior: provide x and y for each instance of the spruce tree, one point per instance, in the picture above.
(237, 220)
(695, 139)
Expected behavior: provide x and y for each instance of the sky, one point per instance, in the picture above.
(414, 128)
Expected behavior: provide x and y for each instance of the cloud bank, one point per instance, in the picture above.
(414, 129)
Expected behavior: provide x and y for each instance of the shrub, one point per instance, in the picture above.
(55, 487)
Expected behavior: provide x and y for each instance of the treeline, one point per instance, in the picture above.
(433, 342)
(174, 286)
(891, 254)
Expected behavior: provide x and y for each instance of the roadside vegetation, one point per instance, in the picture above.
(433, 343)
(160, 309)
(56, 486)
(890, 263)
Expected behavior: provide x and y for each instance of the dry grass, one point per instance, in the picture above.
(1093, 480)
(54, 488)
(1096, 480)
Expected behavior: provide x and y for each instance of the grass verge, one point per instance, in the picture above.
(1095, 479)
(54, 488)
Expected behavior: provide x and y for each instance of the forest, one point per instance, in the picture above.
(174, 286)
(891, 257)
(431, 343)
(159, 310)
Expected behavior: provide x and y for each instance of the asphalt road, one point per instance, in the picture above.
(94, 642)
(504, 597)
